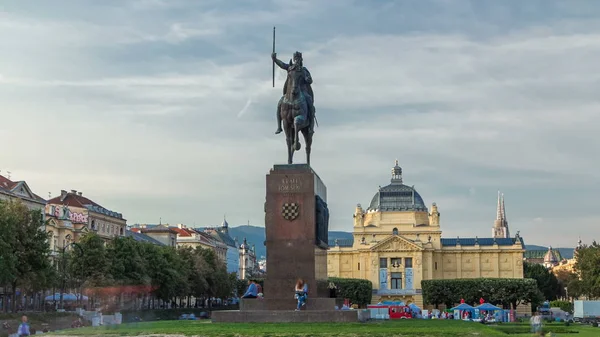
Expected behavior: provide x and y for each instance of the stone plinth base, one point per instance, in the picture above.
(251, 304)
(287, 316)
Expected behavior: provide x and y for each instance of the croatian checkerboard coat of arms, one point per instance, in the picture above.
(290, 211)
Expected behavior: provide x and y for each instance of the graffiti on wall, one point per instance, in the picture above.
(64, 213)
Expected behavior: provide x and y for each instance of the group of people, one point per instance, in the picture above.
(300, 292)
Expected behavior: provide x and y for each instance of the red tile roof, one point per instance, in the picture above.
(181, 231)
(72, 199)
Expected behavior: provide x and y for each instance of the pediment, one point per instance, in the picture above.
(396, 243)
(22, 190)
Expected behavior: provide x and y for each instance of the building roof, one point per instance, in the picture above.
(142, 237)
(341, 242)
(76, 199)
(541, 254)
(396, 196)
(446, 242)
(182, 231)
(159, 229)
(219, 234)
(18, 189)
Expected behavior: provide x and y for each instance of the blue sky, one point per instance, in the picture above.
(165, 109)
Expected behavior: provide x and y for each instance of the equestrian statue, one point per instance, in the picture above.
(295, 110)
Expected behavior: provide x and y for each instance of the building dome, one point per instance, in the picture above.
(550, 257)
(397, 196)
(224, 224)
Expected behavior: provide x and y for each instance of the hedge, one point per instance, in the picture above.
(563, 305)
(358, 291)
(498, 291)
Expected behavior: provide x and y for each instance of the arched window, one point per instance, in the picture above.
(121, 231)
(93, 226)
(395, 231)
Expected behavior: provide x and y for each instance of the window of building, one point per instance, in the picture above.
(396, 262)
(395, 231)
(396, 280)
(383, 262)
(359, 266)
(93, 226)
(435, 265)
(121, 231)
(408, 262)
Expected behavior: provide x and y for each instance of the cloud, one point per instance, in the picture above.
(146, 96)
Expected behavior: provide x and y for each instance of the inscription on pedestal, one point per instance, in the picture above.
(289, 185)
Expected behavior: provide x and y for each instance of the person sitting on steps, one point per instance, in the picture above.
(301, 293)
(252, 290)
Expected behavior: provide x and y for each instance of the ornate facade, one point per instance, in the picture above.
(71, 215)
(397, 243)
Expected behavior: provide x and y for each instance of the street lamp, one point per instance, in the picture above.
(64, 265)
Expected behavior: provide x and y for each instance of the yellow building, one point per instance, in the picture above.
(71, 215)
(397, 243)
(567, 265)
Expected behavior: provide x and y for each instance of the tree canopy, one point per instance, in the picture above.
(547, 282)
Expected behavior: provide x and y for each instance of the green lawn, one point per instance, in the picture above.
(404, 328)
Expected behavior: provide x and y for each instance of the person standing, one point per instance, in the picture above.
(536, 323)
(23, 327)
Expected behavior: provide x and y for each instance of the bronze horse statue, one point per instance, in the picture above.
(295, 115)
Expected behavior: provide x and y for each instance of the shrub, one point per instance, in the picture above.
(563, 305)
(358, 291)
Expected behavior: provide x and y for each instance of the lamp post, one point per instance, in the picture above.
(64, 267)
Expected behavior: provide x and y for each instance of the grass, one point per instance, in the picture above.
(404, 328)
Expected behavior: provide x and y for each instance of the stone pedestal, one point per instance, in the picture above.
(294, 248)
(296, 225)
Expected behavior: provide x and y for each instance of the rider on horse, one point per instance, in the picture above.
(304, 87)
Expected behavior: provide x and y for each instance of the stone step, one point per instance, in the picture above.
(312, 303)
(284, 316)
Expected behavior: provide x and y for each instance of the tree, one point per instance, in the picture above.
(547, 282)
(92, 265)
(564, 278)
(25, 249)
(587, 266)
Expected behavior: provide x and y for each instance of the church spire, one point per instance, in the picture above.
(499, 208)
(503, 209)
(396, 173)
(500, 229)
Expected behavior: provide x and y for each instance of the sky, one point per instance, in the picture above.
(165, 109)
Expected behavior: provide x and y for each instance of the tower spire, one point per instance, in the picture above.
(503, 210)
(499, 208)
